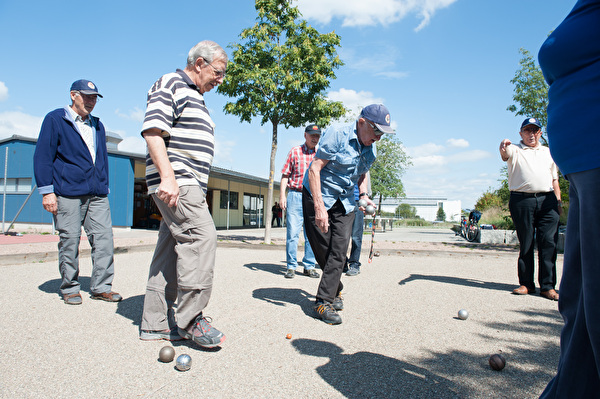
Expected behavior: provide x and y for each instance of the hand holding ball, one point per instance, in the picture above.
(370, 210)
(362, 203)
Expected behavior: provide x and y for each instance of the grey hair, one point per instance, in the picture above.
(206, 49)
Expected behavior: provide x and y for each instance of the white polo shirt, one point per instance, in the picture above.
(530, 169)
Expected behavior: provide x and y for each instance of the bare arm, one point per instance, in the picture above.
(168, 190)
(282, 188)
(314, 181)
(505, 143)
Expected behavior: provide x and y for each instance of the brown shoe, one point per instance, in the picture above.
(108, 296)
(73, 299)
(522, 290)
(550, 294)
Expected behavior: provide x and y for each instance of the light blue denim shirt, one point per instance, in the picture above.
(348, 160)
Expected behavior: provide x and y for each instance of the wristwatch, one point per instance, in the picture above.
(361, 194)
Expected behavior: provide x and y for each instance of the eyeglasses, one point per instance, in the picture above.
(531, 130)
(218, 72)
(377, 132)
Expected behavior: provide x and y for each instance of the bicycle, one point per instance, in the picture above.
(469, 227)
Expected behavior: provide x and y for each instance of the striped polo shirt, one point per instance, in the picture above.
(176, 107)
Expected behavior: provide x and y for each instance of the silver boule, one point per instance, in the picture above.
(184, 362)
(463, 314)
(362, 203)
(166, 354)
(370, 210)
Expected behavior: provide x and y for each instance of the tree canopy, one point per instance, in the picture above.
(279, 73)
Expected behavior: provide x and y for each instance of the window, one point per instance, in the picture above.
(233, 200)
(253, 210)
(20, 185)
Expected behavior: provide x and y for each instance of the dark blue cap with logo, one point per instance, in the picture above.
(379, 115)
(531, 121)
(312, 129)
(85, 87)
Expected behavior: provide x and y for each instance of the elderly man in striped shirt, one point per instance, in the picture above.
(179, 133)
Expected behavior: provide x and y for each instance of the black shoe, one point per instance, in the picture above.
(311, 273)
(338, 302)
(327, 313)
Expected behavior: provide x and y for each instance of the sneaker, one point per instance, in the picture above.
(353, 271)
(327, 313)
(338, 302)
(72, 299)
(290, 273)
(311, 273)
(203, 333)
(167, 335)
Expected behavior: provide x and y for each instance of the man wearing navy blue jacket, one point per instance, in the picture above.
(71, 171)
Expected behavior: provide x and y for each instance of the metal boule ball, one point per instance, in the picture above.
(370, 210)
(363, 203)
(166, 354)
(184, 362)
(497, 362)
(463, 314)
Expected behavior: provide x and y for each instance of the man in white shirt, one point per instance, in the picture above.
(534, 207)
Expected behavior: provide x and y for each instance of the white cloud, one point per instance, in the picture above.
(470, 156)
(136, 114)
(3, 92)
(354, 101)
(373, 12)
(424, 150)
(386, 60)
(429, 161)
(223, 151)
(19, 123)
(458, 143)
(134, 144)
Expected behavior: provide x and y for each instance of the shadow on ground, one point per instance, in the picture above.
(372, 375)
(283, 296)
(490, 285)
(267, 267)
(53, 286)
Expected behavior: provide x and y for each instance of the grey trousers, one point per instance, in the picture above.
(183, 264)
(93, 213)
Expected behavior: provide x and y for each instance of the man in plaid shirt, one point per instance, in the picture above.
(292, 174)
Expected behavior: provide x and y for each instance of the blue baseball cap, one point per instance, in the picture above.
(531, 121)
(379, 115)
(85, 87)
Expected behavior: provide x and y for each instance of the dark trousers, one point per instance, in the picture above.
(536, 218)
(329, 248)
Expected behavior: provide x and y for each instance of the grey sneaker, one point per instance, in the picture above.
(327, 313)
(167, 335)
(353, 271)
(311, 273)
(338, 302)
(203, 333)
(290, 273)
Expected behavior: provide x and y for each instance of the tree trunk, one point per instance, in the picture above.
(269, 205)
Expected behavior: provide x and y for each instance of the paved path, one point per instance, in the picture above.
(400, 337)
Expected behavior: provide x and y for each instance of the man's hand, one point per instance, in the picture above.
(282, 202)
(322, 219)
(168, 192)
(50, 204)
(505, 143)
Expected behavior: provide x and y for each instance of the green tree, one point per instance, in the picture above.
(279, 73)
(406, 211)
(530, 91)
(391, 163)
(441, 215)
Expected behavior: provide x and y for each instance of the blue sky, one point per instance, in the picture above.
(442, 67)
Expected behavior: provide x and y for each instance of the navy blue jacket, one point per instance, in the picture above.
(62, 163)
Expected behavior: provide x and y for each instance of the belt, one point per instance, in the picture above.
(529, 195)
(296, 189)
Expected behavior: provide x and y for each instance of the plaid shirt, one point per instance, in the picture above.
(296, 164)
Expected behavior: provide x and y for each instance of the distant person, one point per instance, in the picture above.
(71, 171)
(353, 264)
(344, 156)
(292, 175)
(179, 133)
(570, 61)
(534, 202)
(276, 212)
